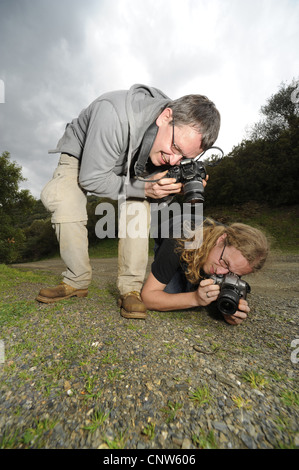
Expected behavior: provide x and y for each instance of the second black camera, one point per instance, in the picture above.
(232, 289)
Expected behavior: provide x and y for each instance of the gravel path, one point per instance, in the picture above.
(78, 375)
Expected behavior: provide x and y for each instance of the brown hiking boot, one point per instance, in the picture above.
(61, 292)
(132, 306)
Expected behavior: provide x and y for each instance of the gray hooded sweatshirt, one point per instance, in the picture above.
(107, 135)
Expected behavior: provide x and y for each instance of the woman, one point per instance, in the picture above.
(178, 275)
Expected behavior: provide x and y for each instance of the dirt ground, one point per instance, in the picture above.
(280, 277)
(86, 348)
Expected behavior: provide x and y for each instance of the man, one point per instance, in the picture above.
(118, 132)
(179, 277)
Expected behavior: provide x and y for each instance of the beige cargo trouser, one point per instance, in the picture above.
(66, 200)
(133, 231)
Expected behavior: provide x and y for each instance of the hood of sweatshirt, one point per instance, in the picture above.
(143, 106)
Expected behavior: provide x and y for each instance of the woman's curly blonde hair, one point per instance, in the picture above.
(250, 241)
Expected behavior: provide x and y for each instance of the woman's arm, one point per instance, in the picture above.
(155, 298)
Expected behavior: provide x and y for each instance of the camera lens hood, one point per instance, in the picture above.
(228, 301)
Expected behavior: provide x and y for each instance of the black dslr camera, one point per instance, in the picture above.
(190, 173)
(231, 291)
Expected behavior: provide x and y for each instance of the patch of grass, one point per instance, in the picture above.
(97, 420)
(290, 398)
(115, 374)
(205, 441)
(10, 276)
(169, 347)
(110, 358)
(32, 437)
(255, 379)
(171, 410)
(149, 431)
(201, 395)
(12, 311)
(283, 424)
(118, 442)
(106, 248)
(277, 377)
(280, 223)
(89, 388)
(241, 402)
(9, 440)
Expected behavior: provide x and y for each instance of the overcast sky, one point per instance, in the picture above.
(57, 56)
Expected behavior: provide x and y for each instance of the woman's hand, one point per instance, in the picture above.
(240, 314)
(207, 292)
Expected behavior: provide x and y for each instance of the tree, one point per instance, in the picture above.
(279, 113)
(264, 168)
(15, 204)
(40, 240)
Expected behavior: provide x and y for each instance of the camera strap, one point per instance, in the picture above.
(144, 150)
(210, 163)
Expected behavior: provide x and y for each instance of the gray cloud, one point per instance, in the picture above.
(57, 56)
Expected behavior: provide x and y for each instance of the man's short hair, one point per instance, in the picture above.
(199, 112)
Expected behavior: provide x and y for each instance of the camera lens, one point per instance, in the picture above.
(228, 301)
(193, 191)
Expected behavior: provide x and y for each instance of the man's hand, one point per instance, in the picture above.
(162, 188)
(165, 186)
(240, 314)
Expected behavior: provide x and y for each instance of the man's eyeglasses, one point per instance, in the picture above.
(174, 148)
(222, 262)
